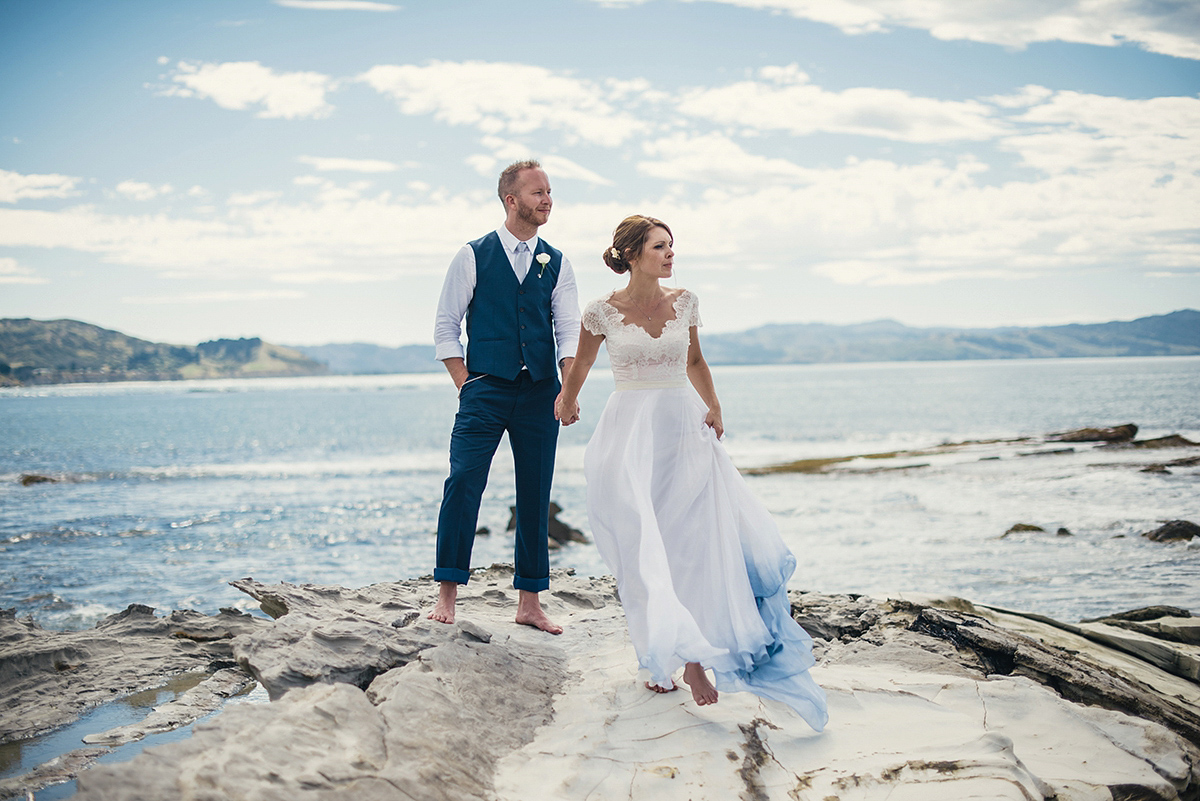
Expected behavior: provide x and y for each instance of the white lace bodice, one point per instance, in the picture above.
(637, 357)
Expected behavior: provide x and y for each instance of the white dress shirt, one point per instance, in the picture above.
(459, 289)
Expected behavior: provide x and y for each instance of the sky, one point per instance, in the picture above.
(304, 170)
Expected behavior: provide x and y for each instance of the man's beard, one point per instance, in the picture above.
(529, 214)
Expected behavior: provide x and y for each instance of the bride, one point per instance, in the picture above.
(700, 566)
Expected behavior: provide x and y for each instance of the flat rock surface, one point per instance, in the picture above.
(929, 699)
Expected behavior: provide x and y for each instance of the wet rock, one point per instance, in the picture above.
(1171, 441)
(60, 769)
(1048, 452)
(1018, 528)
(1173, 531)
(50, 678)
(433, 730)
(1063, 531)
(1121, 433)
(1144, 613)
(194, 704)
(559, 532)
(28, 479)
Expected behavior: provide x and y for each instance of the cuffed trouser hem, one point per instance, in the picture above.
(530, 585)
(456, 575)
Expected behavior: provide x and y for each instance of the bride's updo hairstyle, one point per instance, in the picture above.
(628, 239)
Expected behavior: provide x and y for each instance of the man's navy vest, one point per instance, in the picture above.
(509, 325)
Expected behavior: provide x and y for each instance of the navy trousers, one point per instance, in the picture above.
(487, 407)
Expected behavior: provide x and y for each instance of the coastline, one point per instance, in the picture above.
(931, 698)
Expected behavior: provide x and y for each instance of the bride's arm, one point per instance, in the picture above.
(566, 407)
(701, 378)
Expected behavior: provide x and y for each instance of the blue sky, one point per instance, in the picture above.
(303, 170)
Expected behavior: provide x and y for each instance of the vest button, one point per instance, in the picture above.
(521, 309)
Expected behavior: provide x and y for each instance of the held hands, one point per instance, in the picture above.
(713, 421)
(564, 412)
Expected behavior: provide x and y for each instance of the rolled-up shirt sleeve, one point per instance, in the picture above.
(564, 305)
(457, 291)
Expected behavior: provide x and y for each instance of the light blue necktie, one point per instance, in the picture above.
(522, 261)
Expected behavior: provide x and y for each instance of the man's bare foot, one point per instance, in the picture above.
(703, 692)
(529, 613)
(652, 687)
(447, 596)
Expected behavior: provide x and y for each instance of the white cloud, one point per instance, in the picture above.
(505, 152)
(213, 297)
(337, 5)
(714, 159)
(138, 190)
(327, 277)
(1108, 183)
(252, 198)
(1171, 27)
(13, 273)
(1071, 131)
(562, 167)
(332, 164)
(239, 85)
(499, 98)
(15, 186)
(785, 101)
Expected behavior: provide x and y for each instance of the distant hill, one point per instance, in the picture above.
(68, 351)
(360, 358)
(1174, 334)
(1177, 333)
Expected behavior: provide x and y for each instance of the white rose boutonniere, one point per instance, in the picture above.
(542, 259)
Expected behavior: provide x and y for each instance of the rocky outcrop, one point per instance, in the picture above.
(930, 698)
(1121, 433)
(50, 678)
(433, 729)
(1174, 531)
(559, 532)
(1114, 438)
(1169, 441)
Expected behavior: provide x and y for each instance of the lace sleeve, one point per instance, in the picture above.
(690, 308)
(594, 317)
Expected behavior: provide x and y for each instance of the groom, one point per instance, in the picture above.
(519, 297)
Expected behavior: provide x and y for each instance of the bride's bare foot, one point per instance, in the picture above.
(447, 596)
(652, 687)
(529, 613)
(703, 691)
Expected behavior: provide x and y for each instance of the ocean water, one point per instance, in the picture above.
(165, 492)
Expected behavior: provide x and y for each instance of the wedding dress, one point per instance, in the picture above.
(700, 566)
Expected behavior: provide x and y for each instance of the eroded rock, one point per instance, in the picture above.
(930, 698)
(50, 678)
(1121, 433)
(433, 727)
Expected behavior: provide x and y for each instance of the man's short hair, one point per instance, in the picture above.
(508, 178)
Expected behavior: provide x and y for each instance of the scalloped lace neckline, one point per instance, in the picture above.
(621, 315)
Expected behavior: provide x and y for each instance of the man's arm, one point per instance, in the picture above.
(457, 291)
(564, 304)
(457, 369)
